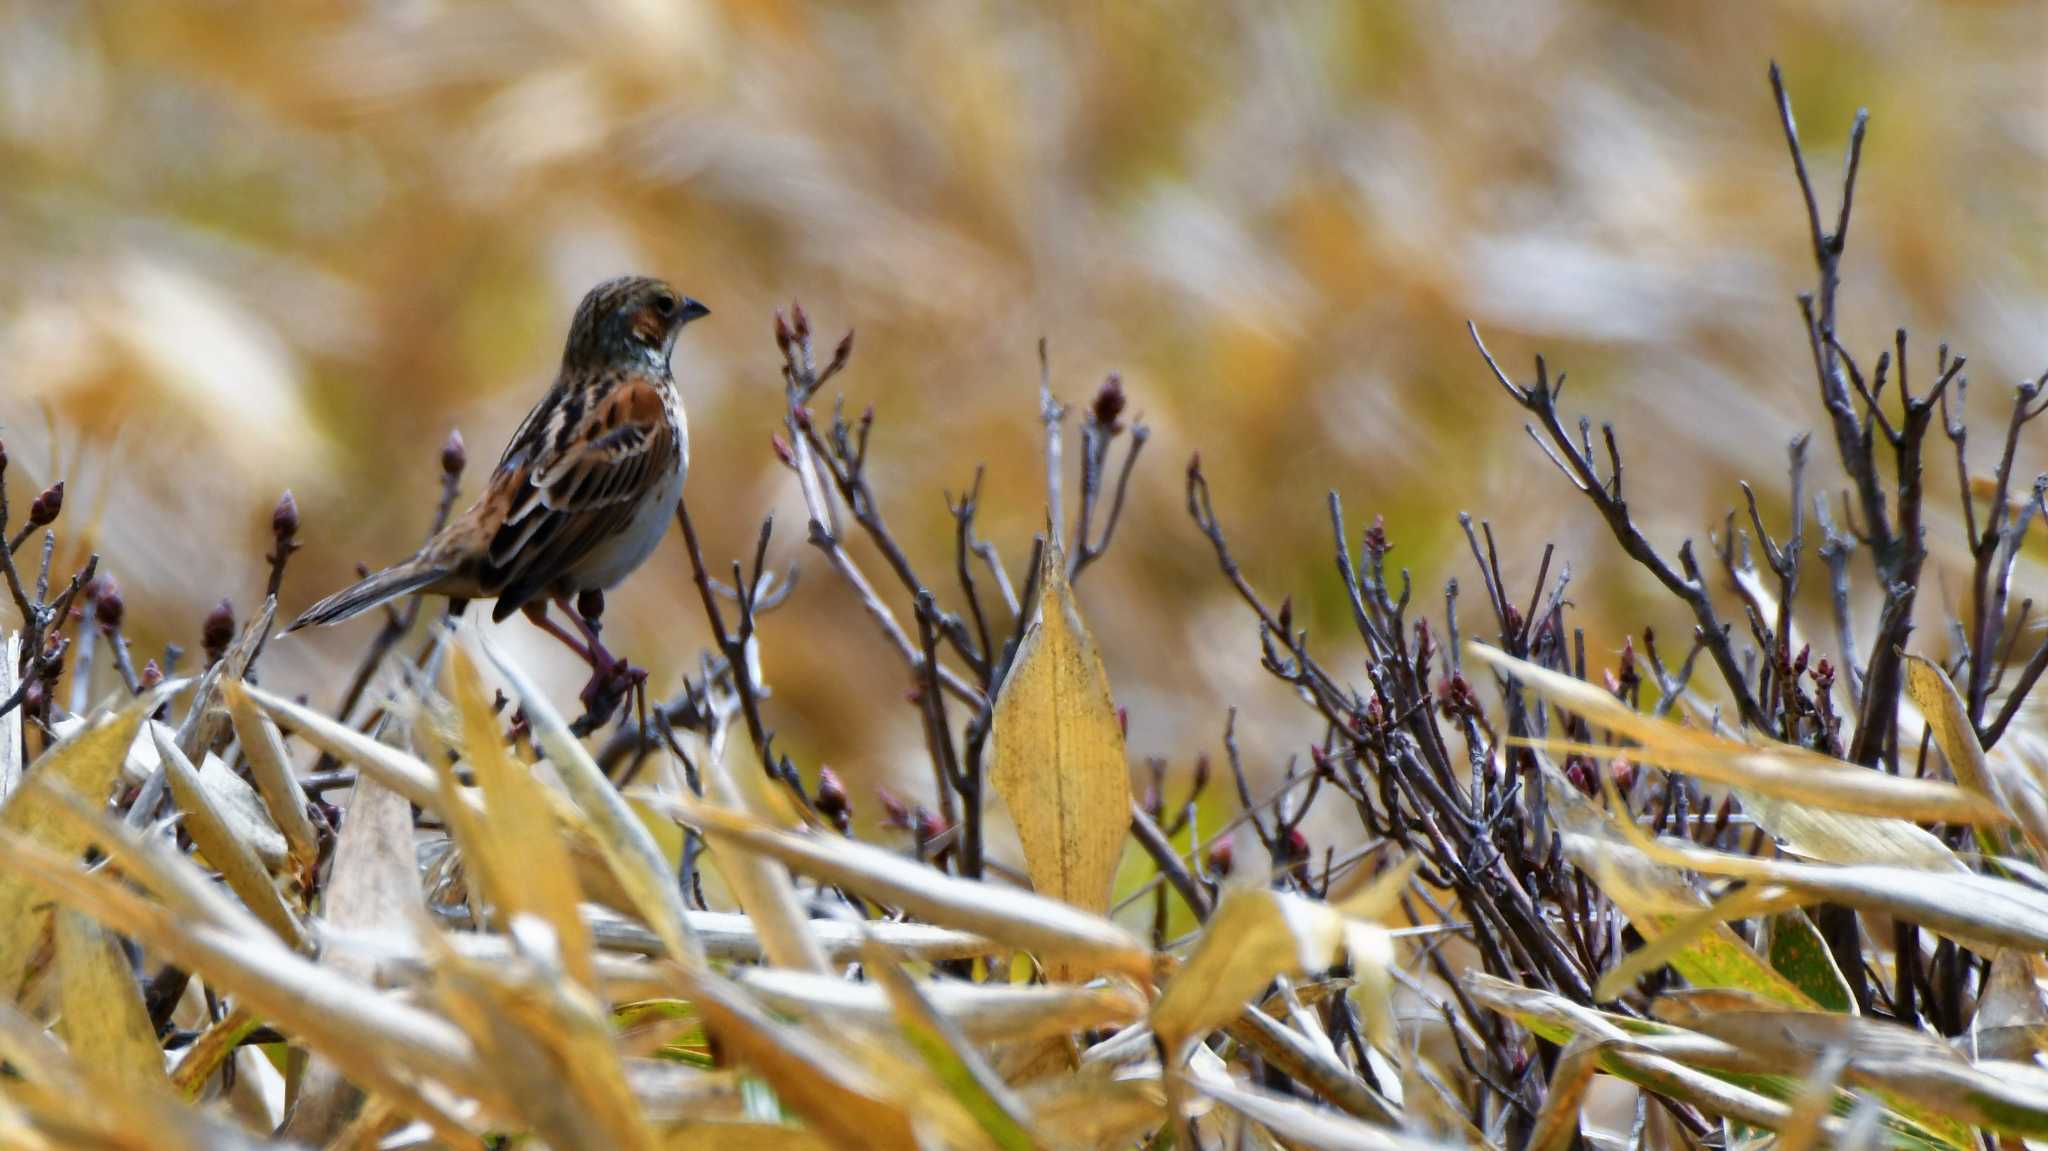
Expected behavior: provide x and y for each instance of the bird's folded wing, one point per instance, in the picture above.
(586, 468)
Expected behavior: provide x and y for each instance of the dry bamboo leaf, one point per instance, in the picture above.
(73, 1103)
(1931, 691)
(214, 1047)
(1837, 837)
(731, 937)
(391, 767)
(372, 1034)
(1904, 1064)
(1294, 1055)
(1662, 948)
(1655, 898)
(1557, 1125)
(86, 765)
(1059, 751)
(1774, 769)
(104, 1022)
(740, 1135)
(1254, 934)
(950, 1057)
(760, 885)
(224, 850)
(1020, 919)
(1304, 1126)
(374, 883)
(629, 849)
(2003, 782)
(530, 861)
(547, 1039)
(841, 1101)
(1558, 1020)
(986, 1012)
(1095, 1111)
(1969, 907)
(271, 768)
(1812, 1105)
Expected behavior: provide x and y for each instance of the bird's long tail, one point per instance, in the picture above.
(371, 591)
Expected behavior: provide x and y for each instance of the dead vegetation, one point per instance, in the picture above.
(1787, 897)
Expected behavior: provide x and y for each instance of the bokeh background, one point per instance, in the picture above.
(247, 247)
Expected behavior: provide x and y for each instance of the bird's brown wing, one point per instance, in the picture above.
(571, 479)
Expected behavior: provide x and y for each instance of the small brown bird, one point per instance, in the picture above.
(586, 487)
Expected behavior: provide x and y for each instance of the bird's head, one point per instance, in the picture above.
(631, 317)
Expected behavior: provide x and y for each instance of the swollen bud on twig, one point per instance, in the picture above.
(47, 506)
(783, 336)
(454, 453)
(832, 800)
(107, 604)
(1109, 403)
(218, 631)
(1222, 857)
(284, 519)
(151, 675)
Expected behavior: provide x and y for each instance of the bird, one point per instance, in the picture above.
(584, 490)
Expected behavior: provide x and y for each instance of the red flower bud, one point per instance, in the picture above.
(1222, 857)
(454, 453)
(1109, 404)
(284, 519)
(46, 506)
(832, 800)
(106, 602)
(218, 631)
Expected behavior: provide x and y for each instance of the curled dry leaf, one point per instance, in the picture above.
(1059, 751)
(628, 848)
(986, 1012)
(1018, 918)
(103, 1020)
(86, 765)
(1778, 770)
(271, 768)
(228, 853)
(530, 864)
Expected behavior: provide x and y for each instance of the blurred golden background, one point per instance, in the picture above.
(249, 247)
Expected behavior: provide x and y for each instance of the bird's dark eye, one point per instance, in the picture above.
(665, 304)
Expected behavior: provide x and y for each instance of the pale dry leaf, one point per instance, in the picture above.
(950, 1056)
(271, 768)
(372, 1034)
(374, 883)
(225, 851)
(760, 884)
(1302, 1125)
(628, 847)
(1780, 770)
(86, 764)
(1254, 934)
(530, 861)
(1059, 751)
(985, 1012)
(841, 1101)
(103, 1020)
(1020, 919)
(1557, 1125)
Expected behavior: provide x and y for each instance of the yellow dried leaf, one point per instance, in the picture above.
(1059, 752)
(87, 765)
(530, 858)
(104, 1021)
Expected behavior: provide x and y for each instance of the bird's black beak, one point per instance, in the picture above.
(690, 310)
